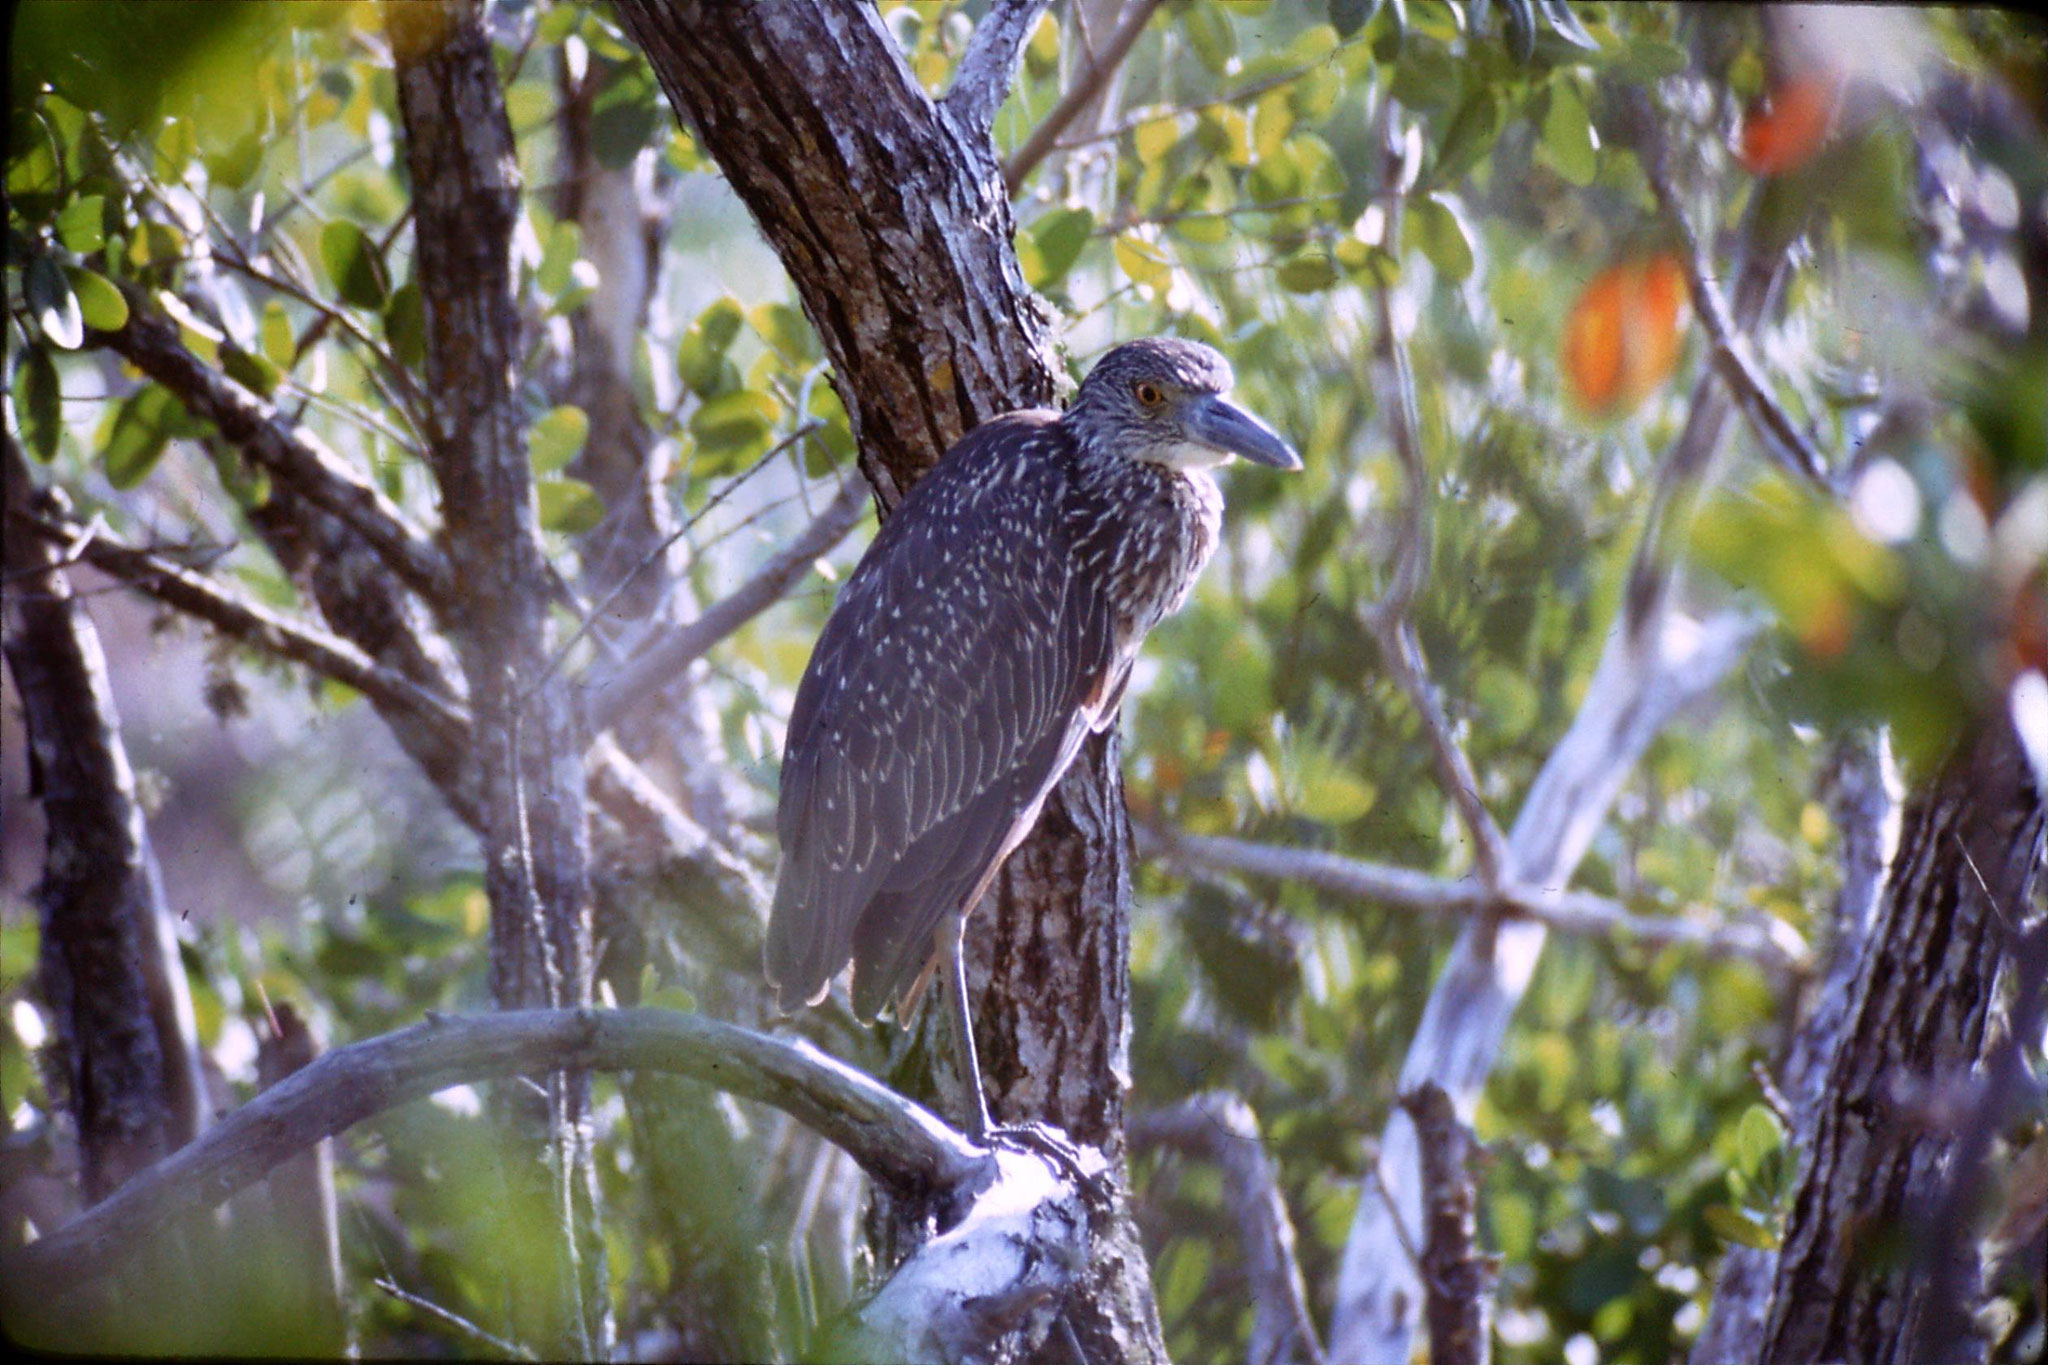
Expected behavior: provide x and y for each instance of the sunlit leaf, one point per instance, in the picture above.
(1442, 235)
(1569, 145)
(1059, 236)
(81, 225)
(1142, 262)
(569, 506)
(251, 369)
(279, 341)
(556, 439)
(100, 303)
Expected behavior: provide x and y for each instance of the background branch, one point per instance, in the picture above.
(1459, 1280)
(607, 699)
(1221, 1129)
(151, 343)
(1085, 88)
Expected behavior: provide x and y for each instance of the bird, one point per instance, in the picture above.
(987, 631)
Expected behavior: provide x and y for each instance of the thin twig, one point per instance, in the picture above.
(1222, 1129)
(590, 617)
(246, 621)
(510, 1349)
(1084, 90)
(1733, 360)
(606, 699)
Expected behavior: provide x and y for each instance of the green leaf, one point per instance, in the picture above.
(1442, 235)
(99, 302)
(405, 326)
(52, 302)
(1569, 146)
(700, 355)
(141, 429)
(1208, 31)
(1471, 135)
(1142, 262)
(279, 342)
(734, 422)
(1060, 237)
(1311, 272)
(41, 404)
(251, 369)
(354, 265)
(1349, 16)
(787, 330)
(558, 438)
(82, 225)
(570, 506)
(564, 245)
(1759, 1136)
(1736, 1226)
(1155, 137)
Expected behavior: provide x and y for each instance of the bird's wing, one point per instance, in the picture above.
(949, 690)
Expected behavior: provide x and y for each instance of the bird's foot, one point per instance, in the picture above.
(1084, 1166)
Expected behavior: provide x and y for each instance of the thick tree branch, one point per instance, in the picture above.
(1458, 1278)
(1221, 1129)
(1571, 912)
(251, 623)
(993, 57)
(150, 342)
(606, 700)
(1079, 95)
(896, 1141)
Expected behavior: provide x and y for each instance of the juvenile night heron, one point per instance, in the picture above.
(987, 631)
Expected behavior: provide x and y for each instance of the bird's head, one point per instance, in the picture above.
(1163, 401)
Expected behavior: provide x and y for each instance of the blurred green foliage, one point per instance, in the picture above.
(1267, 170)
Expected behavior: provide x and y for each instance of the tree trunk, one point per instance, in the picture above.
(889, 212)
(125, 1057)
(1851, 1281)
(466, 199)
(124, 1053)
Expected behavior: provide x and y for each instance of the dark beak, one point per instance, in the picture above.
(1225, 426)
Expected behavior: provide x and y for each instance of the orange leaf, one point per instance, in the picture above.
(1623, 336)
(1784, 130)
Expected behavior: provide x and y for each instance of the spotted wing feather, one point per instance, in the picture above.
(949, 691)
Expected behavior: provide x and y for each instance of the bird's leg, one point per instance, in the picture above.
(952, 938)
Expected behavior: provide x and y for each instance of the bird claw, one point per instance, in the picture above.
(1058, 1150)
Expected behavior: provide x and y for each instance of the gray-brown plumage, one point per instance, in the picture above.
(988, 630)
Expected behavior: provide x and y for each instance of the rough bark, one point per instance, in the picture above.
(1458, 1281)
(1864, 801)
(466, 201)
(1902, 1076)
(124, 1058)
(889, 211)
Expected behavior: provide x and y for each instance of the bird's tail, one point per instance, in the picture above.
(794, 955)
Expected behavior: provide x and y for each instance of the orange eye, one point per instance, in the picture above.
(1149, 395)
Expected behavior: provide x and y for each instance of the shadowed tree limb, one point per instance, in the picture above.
(1221, 1129)
(1013, 1224)
(1458, 1279)
(237, 617)
(292, 454)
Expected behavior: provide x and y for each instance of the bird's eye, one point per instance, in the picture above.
(1149, 395)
